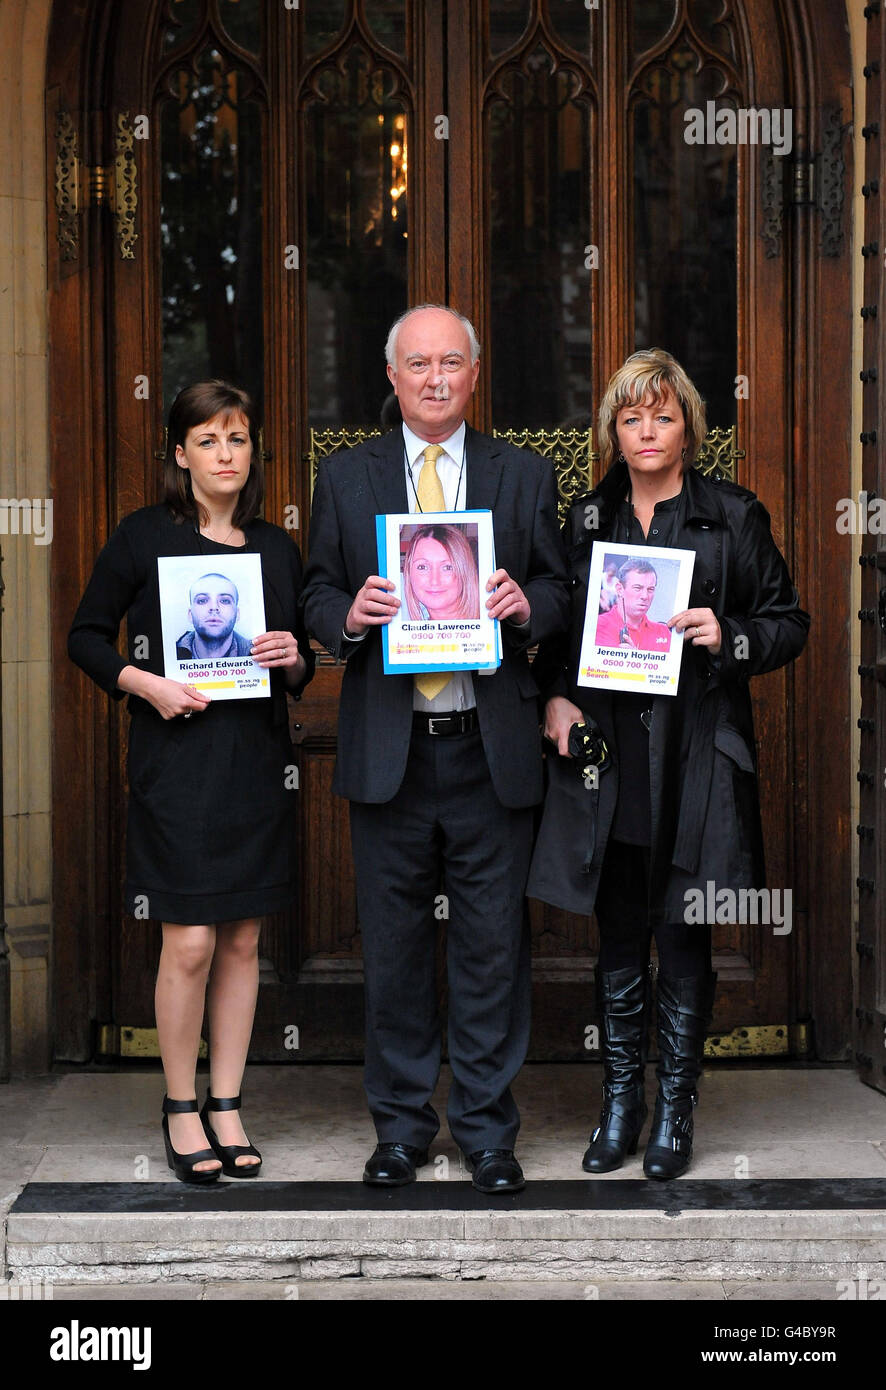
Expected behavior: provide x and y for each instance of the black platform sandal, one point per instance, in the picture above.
(229, 1153)
(182, 1165)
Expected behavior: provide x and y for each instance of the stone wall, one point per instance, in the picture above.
(24, 474)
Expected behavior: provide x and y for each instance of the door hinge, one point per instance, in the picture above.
(803, 181)
(80, 186)
(97, 186)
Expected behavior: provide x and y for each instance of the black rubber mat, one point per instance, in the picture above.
(623, 1194)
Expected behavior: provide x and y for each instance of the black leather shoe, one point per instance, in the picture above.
(496, 1170)
(393, 1165)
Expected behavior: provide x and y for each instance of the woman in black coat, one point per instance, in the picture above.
(676, 808)
(210, 826)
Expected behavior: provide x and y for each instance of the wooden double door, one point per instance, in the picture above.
(245, 189)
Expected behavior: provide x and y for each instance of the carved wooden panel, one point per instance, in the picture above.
(329, 928)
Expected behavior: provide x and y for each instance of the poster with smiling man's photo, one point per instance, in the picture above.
(212, 608)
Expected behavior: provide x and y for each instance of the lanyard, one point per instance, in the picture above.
(458, 484)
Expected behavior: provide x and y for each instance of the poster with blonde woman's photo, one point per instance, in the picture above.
(440, 563)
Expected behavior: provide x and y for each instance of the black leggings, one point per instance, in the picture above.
(622, 909)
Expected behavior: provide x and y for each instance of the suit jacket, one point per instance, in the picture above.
(375, 714)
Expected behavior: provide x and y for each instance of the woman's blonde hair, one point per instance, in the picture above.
(458, 548)
(650, 373)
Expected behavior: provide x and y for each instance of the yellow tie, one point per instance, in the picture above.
(431, 499)
(430, 489)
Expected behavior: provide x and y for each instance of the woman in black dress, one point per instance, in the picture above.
(640, 837)
(210, 829)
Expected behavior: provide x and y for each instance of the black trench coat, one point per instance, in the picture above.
(702, 752)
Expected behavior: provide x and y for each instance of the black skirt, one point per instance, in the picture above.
(212, 815)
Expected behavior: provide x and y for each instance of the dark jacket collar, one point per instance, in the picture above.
(484, 462)
(386, 474)
(483, 465)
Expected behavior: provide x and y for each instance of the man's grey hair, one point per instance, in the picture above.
(391, 344)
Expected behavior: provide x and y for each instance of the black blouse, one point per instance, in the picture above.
(633, 809)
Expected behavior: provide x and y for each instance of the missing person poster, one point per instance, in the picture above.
(440, 563)
(632, 592)
(211, 608)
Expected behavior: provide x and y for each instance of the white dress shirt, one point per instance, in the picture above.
(452, 472)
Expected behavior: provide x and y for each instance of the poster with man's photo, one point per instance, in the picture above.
(440, 563)
(632, 593)
(211, 609)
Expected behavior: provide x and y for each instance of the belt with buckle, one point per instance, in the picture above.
(459, 722)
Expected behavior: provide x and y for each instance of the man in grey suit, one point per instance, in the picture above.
(442, 773)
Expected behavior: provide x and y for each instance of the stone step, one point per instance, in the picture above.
(582, 1230)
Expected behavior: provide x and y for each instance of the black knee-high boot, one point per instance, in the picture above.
(684, 1012)
(623, 999)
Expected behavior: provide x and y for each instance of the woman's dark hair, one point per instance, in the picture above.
(194, 406)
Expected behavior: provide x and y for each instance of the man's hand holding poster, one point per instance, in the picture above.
(633, 592)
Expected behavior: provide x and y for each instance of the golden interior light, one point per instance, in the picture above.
(397, 153)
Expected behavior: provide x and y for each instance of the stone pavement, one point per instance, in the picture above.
(450, 1290)
(753, 1125)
